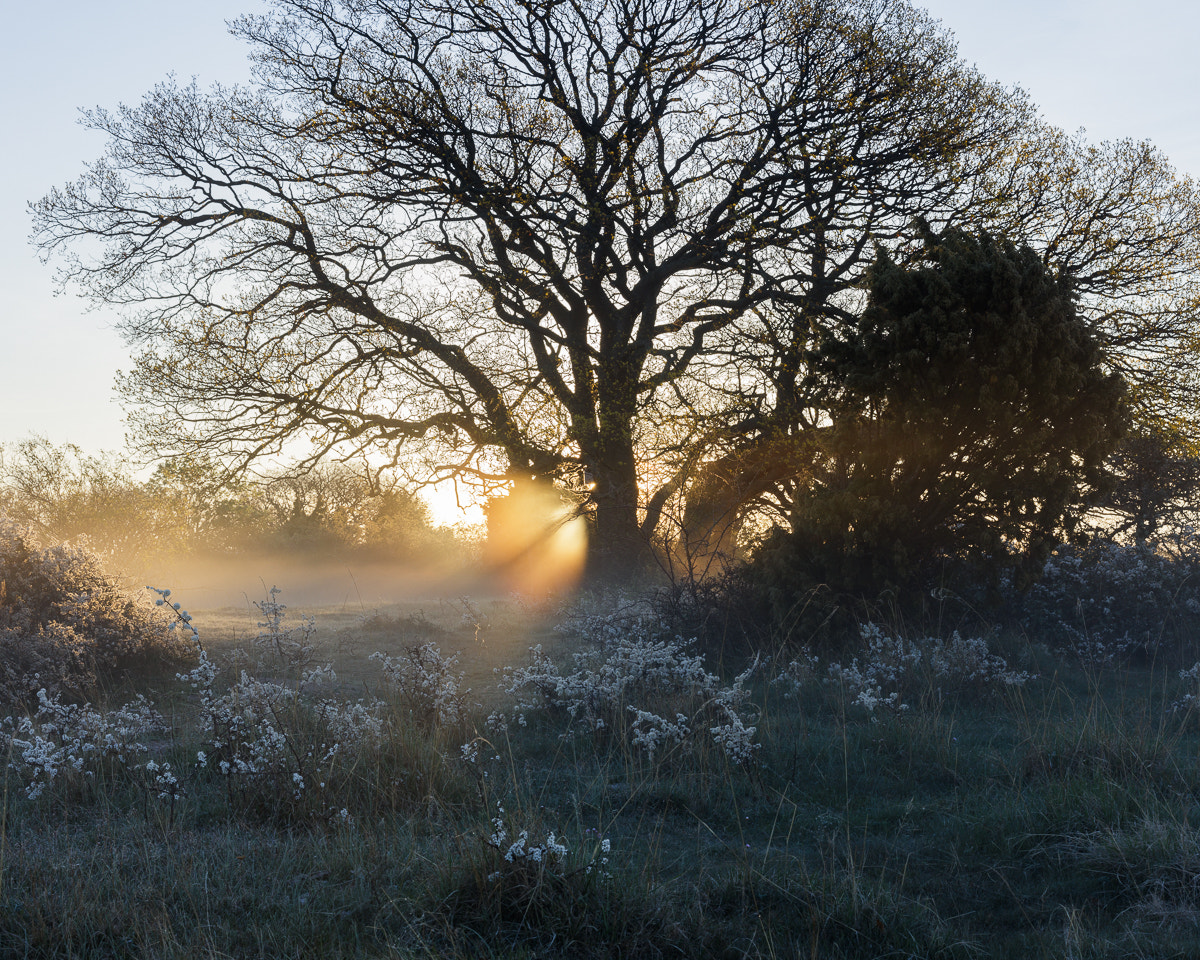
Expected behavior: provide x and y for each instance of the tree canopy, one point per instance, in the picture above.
(516, 241)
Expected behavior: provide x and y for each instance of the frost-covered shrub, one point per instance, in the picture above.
(525, 872)
(290, 648)
(287, 750)
(889, 664)
(1191, 699)
(521, 857)
(67, 742)
(427, 685)
(64, 622)
(793, 674)
(652, 693)
(599, 620)
(892, 669)
(253, 738)
(1109, 601)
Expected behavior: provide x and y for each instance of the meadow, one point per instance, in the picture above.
(495, 777)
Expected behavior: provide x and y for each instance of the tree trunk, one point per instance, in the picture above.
(617, 550)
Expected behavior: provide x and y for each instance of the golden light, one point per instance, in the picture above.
(536, 542)
(452, 505)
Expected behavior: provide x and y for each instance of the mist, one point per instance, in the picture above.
(364, 585)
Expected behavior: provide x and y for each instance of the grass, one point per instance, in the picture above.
(1056, 819)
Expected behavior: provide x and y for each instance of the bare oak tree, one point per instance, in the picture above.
(544, 240)
(511, 237)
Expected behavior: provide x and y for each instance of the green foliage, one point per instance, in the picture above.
(970, 414)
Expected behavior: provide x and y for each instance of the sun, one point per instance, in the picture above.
(453, 505)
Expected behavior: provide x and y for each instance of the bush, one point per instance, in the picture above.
(1109, 601)
(969, 409)
(632, 686)
(730, 615)
(65, 624)
(894, 670)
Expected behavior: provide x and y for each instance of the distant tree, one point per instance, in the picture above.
(1156, 479)
(210, 512)
(399, 526)
(64, 493)
(970, 414)
(338, 508)
(320, 509)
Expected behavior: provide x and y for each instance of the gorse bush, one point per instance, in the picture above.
(969, 408)
(65, 623)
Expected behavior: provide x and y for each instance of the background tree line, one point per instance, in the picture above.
(186, 509)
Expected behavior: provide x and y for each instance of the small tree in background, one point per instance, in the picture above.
(65, 494)
(1156, 476)
(335, 508)
(970, 418)
(210, 511)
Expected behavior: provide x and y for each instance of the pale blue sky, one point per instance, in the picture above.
(1113, 68)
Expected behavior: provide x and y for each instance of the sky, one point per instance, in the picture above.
(1115, 68)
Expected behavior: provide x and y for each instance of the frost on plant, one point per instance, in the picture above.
(649, 691)
(608, 619)
(888, 664)
(893, 668)
(64, 623)
(967, 662)
(354, 723)
(62, 739)
(427, 684)
(736, 739)
(290, 647)
(1108, 601)
(525, 856)
(1191, 699)
(274, 748)
(648, 731)
(795, 673)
